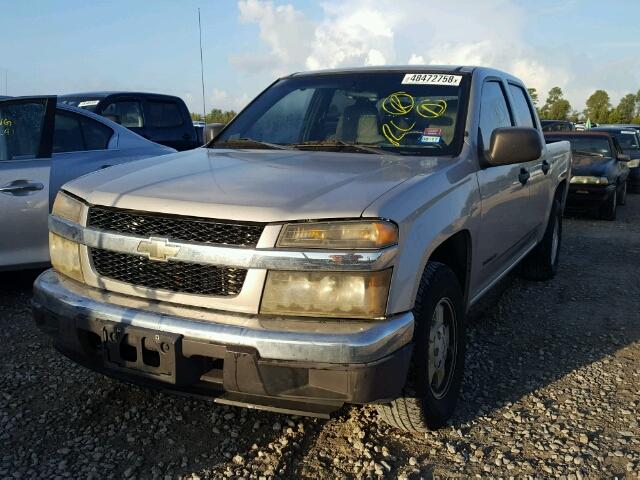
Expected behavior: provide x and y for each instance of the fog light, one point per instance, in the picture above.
(326, 294)
(65, 256)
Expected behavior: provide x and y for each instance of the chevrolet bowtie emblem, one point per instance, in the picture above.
(158, 249)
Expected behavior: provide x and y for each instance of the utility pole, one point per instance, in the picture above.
(204, 107)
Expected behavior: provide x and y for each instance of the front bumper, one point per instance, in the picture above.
(587, 196)
(304, 366)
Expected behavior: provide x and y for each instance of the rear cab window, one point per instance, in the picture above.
(127, 113)
(163, 114)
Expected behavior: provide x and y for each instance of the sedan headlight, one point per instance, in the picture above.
(326, 294)
(339, 235)
(590, 180)
(65, 256)
(633, 163)
(67, 207)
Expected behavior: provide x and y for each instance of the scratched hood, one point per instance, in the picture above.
(253, 185)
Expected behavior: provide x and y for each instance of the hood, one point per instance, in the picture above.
(587, 165)
(251, 185)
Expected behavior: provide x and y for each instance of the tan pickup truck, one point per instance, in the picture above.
(323, 249)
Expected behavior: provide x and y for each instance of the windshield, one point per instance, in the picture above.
(81, 102)
(628, 140)
(397, 112)
(586, 145)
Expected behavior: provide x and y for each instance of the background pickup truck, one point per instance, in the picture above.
(323, 250)
(163, 119)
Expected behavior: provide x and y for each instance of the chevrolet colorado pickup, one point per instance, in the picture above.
(323, 249)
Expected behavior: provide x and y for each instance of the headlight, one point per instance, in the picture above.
(633, 163)
(590, 180)
(326, 294)
(65, 256)
(340, 235)
(67, 207)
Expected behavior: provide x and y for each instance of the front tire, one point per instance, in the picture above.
(433, 384)
(622, 197)
(542, 263)
(610, 208)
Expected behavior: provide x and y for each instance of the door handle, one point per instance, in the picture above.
(21, 187)
(545, 167)
(524, 176)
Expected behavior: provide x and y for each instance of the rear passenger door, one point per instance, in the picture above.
(540, 192)
(165, 124)
(80, 146)
(505, 226)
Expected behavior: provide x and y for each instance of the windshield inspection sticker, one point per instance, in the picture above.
(88, 103)
(431, 135)
(431, 79)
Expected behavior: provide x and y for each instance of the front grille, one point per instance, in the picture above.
(173, 276)
(189, 229)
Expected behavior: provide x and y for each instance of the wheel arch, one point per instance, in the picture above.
(455, 252)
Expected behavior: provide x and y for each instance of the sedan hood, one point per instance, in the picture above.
(587, 165)
(251, 185)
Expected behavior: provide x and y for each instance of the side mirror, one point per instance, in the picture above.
(623, 158)
(514, 145)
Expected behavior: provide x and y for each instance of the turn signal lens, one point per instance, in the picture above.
(339, 235)
(67, 207)
(326, 294)
(65, 256)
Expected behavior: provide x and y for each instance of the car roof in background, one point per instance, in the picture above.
(587, 133)
(104, 94)
(615, 128)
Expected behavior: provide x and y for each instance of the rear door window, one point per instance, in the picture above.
(163, 114)
(74, 133)
(521, 107)
(126, 112)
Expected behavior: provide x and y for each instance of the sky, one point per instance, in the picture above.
(72, 46)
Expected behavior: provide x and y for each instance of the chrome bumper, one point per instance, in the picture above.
(304, 340)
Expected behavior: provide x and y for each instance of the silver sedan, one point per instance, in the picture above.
(43, 145)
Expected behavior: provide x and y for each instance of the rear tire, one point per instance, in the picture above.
(433, 383)
(609, 209)
(542, 262)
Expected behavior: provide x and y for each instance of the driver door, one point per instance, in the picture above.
(26, 129)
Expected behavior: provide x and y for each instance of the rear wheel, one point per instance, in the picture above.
(609, 209)
(542, 262)
(437, 365)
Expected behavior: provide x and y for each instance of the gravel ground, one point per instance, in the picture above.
(552, 390)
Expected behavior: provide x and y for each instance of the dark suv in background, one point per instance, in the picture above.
(162, 119)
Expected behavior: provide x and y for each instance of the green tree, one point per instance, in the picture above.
(598, 107)
(215, 116)
(533, 93)
(556, 107)
(625, 111)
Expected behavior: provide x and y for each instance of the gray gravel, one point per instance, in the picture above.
(552, 390)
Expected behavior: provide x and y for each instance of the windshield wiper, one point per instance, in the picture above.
(589, 154)
(344, 145)
(250, 141)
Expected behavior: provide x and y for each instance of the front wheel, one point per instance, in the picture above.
(610, 208)
(542, 262)
(622, 197)
(437, 365)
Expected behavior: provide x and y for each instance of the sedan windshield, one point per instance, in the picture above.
(588, 145)
(401, 113)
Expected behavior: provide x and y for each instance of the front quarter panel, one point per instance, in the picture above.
(428, 210)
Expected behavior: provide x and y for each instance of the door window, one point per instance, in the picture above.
(74, 133)
(127, 112)
(21, 128)
(494, 112)
(163, 114)
(521, 107)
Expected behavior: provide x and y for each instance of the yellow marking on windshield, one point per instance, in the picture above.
(398, 136)
(398, 103)
(431, 108)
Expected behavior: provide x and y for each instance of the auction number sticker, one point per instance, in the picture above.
(431, 79)
(88, 103)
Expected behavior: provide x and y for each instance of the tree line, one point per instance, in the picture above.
(215, 116)
(598, 107)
